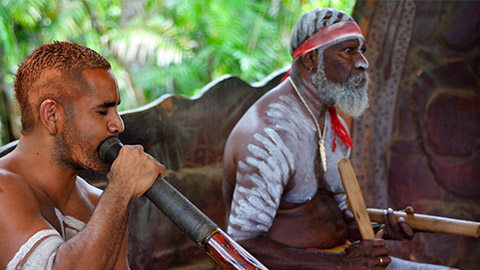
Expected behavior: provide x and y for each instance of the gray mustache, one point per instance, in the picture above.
(358, 80)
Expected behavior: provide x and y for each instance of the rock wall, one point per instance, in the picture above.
(419, 142)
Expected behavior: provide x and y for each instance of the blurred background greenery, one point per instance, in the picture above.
(155, 47)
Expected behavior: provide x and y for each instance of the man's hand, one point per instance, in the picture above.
(395, 229)
(367, 254)
(134, 170)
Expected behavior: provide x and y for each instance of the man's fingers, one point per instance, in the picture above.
(392, 221)
(160, 167)
(162, 170)
(409, 210)
(380, 232)
(379, 243)
(397, 228)
(372, 243)
(380, 251)
(406, 229)
(379, 262)
(383, 261)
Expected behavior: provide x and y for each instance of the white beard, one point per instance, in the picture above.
(350, 97)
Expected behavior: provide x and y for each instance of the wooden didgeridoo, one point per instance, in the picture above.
(355, 198)
(189, 219)
(430, 223)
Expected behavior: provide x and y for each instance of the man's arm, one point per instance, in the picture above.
(360, 255)
(99, 243)
(131, 174)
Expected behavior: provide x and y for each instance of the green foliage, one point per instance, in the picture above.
(157, 47)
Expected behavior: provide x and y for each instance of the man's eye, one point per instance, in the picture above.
(350, 50)
(102, 112)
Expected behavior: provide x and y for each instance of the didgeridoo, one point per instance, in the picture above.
(430, 223)
(189, 219)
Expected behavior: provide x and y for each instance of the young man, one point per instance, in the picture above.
(284, 197)
(51, 218)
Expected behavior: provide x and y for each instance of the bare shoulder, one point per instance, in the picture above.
(256, 117)
(15, 190)
(248, 129)
(16, 194)
(21, 217)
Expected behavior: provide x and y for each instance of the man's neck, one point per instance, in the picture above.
(310, 95)
(49, 178)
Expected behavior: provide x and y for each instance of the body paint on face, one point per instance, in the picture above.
(361, 64)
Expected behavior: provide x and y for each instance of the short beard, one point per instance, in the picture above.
(61, 152)
(350, 97)
(74, 151)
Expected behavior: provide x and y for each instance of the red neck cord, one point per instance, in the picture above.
(339, 129)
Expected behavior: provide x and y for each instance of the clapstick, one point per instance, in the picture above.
(355, 198)
(420, 222)
(430, 223)
(189, 219)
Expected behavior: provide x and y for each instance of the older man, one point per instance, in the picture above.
(51, 218)
(284, 198)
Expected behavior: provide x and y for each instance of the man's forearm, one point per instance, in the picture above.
(97, 246)
(277, 256)
(353, 232)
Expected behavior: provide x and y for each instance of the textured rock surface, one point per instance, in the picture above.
(419, 142)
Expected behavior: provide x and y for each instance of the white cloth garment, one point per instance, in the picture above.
(40, 250)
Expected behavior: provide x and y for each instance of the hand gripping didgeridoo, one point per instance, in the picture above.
(189, 219)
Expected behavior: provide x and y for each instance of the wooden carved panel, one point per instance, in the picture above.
(419, 142)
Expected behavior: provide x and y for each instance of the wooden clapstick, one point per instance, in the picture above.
(429, 223)
(416, 221)
(355, 198)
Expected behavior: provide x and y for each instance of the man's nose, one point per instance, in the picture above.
(361, 61)
(116, 124)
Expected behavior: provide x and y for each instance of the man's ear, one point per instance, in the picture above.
(310, 60)
(51, 115)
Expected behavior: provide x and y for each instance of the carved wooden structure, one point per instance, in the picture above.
(419, 142)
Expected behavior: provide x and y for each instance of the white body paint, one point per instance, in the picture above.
(284, 150)
(361, 64)
(45, 244)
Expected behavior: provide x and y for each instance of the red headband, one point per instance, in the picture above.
(329, 34)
